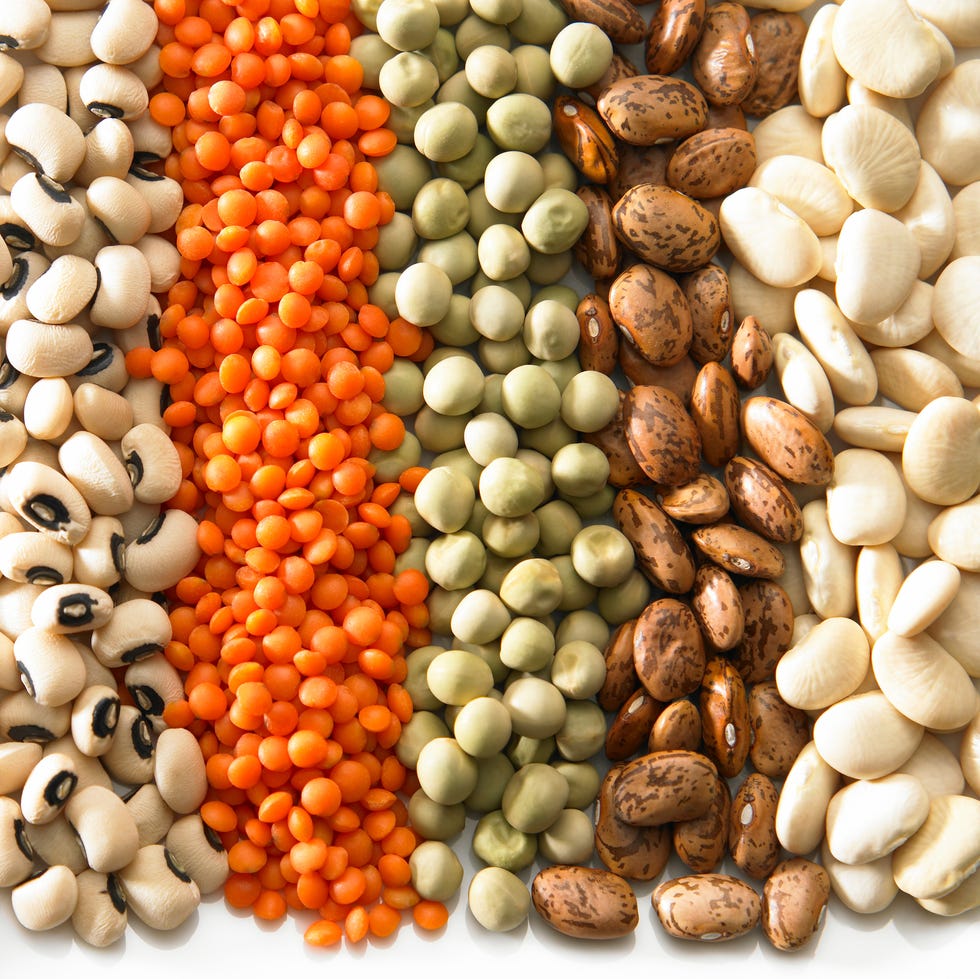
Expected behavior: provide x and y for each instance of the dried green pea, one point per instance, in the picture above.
(499, 844)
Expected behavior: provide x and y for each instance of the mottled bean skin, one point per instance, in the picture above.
(663, 787)
(585, 902)
(762, 501)
(673, 34)
(662, 435)
(651, 312)
(619, 19)
(647, 108)
(709, 296)
(712, 162)
(707, 907)
(702, 843)
(726, 732)
(585, 140)
(723, 63)
(739, 550)
(778, 41)
(768, 630)
(668, 651)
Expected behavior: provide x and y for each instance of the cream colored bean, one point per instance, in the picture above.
(858, 94)
(970, 754)
(791, 129)
(911, 379)
(909, 324)
(947, 127)
(866, 888)
(929, 216)
(923, 597)
(965, 368)
(810, 189)
(874, 427)
(956, 305)
(913, 539)
(828, 565)
(821, 78)
(802, 808)
(935, 766)
(772, 306)
(954, 535)
(865, 498)
(966, 214)
(955, 629)
(804, 382)
(878, 577)
(964, 897)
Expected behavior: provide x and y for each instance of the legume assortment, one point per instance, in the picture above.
(333, 516)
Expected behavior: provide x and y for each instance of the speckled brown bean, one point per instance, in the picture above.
(619, 19)
(621, 679)
(779, 731)
(598, 248)
(794, 903)
(762, 501)
(723, 63)
(585, 140)
(725, 117)
(585, 902)
(717, 606)
(666, 228)
(634, 852)
(668, 651)
(752, 354)
(639, 165)
(648, 108)
(712, 163)
(739, 550)
(709, 297)
(629, 730)
(702, 843)
(707, 907)
(678, 728)
(778, 41)
(662, 553)
(663, 787)
(661, 434)
(651, 312)
(715, 411)
(752, 839)
(678, 377)
(704, 500)
(787, 441)
(768, 630)
(673, 33)
(598, 344)
(619, 67)
(725, 729)
(623, 468)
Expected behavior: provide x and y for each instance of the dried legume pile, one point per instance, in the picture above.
(335, 520)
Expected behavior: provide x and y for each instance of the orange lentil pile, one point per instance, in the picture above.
(290, 633)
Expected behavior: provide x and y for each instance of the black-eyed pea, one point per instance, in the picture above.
(163, 195)
(752, 839)
(27, 267)
(108, 152)
(51, 213)
(90, 239)
(99, 555)
(124, 32)
(48, 410)
(139, 627)
(94, 717)
(97, 473)
(131, 757)
(198, 849)
(45, 901)
(55, 843)
(120, 207)
(100, 917)
(22, 718)
(47, 349)
(102, 412)
(49, 140)
(158, 890)
(13, 437)
(105, 827)
(71, 608)
(17, 760)
(48, 788)
(25, 26)
(113, 92)
(164, 261)
(124, 287)
(16, 852)
(794, 903)
(51, 669)
(151, 141)
(153, 683)
(89, 770)
(153, 816)
(179, 770)
(164, 552)
(107, 368)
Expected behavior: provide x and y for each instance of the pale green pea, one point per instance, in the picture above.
(367, 12)
(390, 465)
(483, 214)
(541, 464)
(473, 31)
(580, 55)
(578, 669)
(460, 461)
(439, 354)
(624, 601)
(477, 519)
(371, 52)
(534, 74)
(496, 571)
(499, 844)
(451, 12)
(493, 775)
(445, 131)
(558, 172)
(454, 386)
(455, 561)
(482, 727)
(590, 401)
(403, 121)
(602, 555)
(405, 506)
(456, 88)
(397, 242)
(438, 432)
(442, 603)
(569, 839)
(534, 798)
(407, 25)
(457, 676)
(547, 270)
(433, 820)
(561, 371)
(584, 732)
(468, 170)
(456, 256)
(513, 181)
(547, 439)
(510, 537)
(423, 294)
(530, 396)
(445, 772)
(421, 728)
(527, 644)
(455, 329)
(489, 652)
(556, 220)
(502, 252)
(532, 587)
(595, 506)
(496, 313)
(523, 750)
(480, 617)
(538, 22)
(521, 122)
(537, 708)
(382, 293)
(408, 79)
(497, 11)
(436, 871)
(511, 488)
(417, 664)
(403, 388)
(491, 71)
(441, 209)
(402, 173)
(583, 625)
(498, 899)
(560, 293)
(444, 499)
(558, 523)
(413, 557)
(576, 592)
(442, 53)
(583, 782)
(492, 400)
(502, 356)
(489, 436)
(580, 469)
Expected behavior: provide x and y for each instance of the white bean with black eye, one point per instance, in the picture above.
(108, 152)
(51, 669)
(153, 816)
(198, 849)
(124, 32)
(138, 628)
(49, 408)
(28, 267)
(71, 608)
(48, 139)
(152, 462)
(164, 552)
(17, 760)
(113, 92)
(90, 240)
(100, 554)
(150, 139)
(97, 473)
(47, 208)
(67, 44)
(106, 368)
(164, 196)
(179, 773)
(94, 718)
(55, 843)
(124, 287)
(89, 769)
(102, 412)
(22, 718)
(36, 558)
(159, 891)
(43, 83)
(45, 901)
(130, 759)
(105, 828)
(13, 437)
(100, 917)
(48, 788)
(16, 852)
(24, 25)
(120, 207)
(48, 501)
(152, 684)
(48, 349)
(63, 290)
